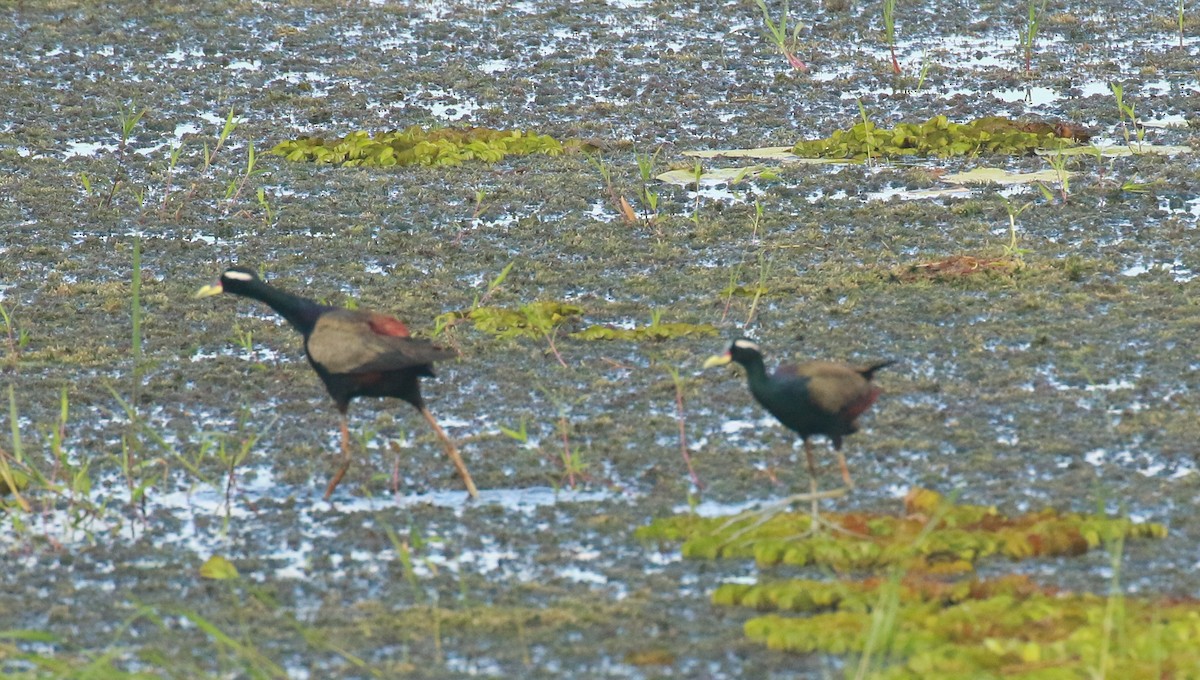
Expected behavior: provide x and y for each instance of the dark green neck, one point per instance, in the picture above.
(756, 371)
(300, 312)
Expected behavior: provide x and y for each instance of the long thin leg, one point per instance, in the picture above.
(812, 481)
(341, 472)
(814, 497)
(452, 451)
(816, 522)
(765, 514)
(845, 470)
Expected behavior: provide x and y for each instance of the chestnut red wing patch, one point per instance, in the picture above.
(368, 379)
(386, 325)
(864, 402)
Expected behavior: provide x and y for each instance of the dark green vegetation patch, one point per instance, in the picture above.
(961, 535)
(1003, 628)
(416, 145)
(939, 137)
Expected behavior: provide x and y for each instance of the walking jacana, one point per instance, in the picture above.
(816, 397)
(356, 353)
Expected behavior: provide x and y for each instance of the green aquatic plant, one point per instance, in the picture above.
(923, 72)
(697, 175)
(878, 637)
(218, 568)
(734, 286)
(129, 119)
(646, 163)
(1128, 118)
(764, 271)
(1004, 627)
(889, 30)
(918, 623)
(445, 323)
(268, 214)
(1179, 20)
(40, 481)
(784, 40)
(574, 467)
(527, 321)
(870, 145)
(233, 190)
(172, 163)
(1028, 35)
(135, 315)
(231, 124)
(615, 198)
(570, 459)
(417, 146)
(238, 651)
(16, 336)
(961, 537)
(935, 137)
(531, 320)
(410, 550)
(236, 183)
(12, 477)
(1013, 250)
(1058, 162)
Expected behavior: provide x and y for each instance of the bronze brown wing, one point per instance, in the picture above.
(344, 342)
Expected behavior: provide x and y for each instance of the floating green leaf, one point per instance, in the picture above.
(963, 535)
(715, 176)
(218, 568)
(1133, 149)
(999, 628)
(10, 478)
(532, 320)
(766, 153)
(936, 137)
(1001, 176)
(417, 146)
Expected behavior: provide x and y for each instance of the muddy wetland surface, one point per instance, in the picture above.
(170, 453)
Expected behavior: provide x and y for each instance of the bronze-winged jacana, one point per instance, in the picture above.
(816, 397)
(356, 353)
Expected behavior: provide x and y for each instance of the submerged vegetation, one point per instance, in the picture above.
(417, 146)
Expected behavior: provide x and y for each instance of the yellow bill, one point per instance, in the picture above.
(718, 360)
(209, 291)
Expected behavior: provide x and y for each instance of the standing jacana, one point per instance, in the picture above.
(357, 353)
(816, 397)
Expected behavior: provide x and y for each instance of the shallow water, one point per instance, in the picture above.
(1069, 384)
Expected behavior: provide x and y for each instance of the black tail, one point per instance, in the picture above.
(868, 371)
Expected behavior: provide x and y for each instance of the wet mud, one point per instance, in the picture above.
(1065, 382)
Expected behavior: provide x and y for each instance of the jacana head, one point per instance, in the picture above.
(233, 280)
(742, 350)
